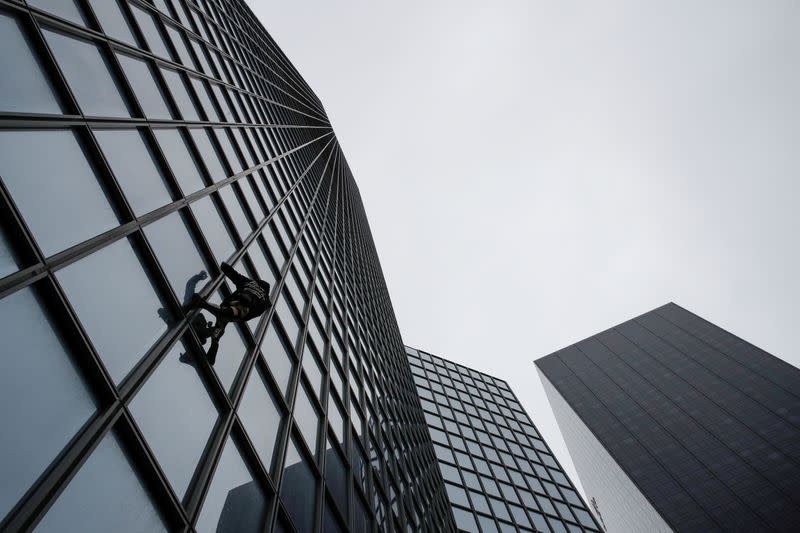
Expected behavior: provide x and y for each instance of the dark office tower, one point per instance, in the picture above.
(141, 144)
(677, 425)
(500, 476)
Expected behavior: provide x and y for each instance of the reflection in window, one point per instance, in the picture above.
(235, 502)
(362, 523)
(232, 348)
(148, 26)
(180, 94)
(144, 86)
(277, 358)
(260, 416)
(180, 160)
(178, 254)
(176, 424)
(135, 169)
(121, 330)
(28, 90)
(62, 8)
(105, 495)
(89, 75)
(336, 477)
(37, 420)
(329, 522)
(206, 149)
(112, 20)
(58, 195)
(214, 230)
(298, 489)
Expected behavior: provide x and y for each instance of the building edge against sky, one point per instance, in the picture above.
(676, 424)
(141, 144)
(499, 473)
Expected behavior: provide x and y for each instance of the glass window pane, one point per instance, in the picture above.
(58, 195)
(456, 495)
(330, 523)
(232, 348)
(148, 26)
(235, 501)
(306, 417)
(214, 230)
(298, 489)
(205, 101)
(198, 50)
(287, 317)
(227, 148)
(204, 146)
(62, 8)
(162, 6)
(135, 169)
(278, 360)
(89, 75)
(223, 102)
(105, 495)
(8, 260)
(238, 139)
(179, 93)
(37, 420)
(311, 369)
(180, 160)
(465, 520)
(263, 267)
(28, 90)
(252, 201)
(149, 95)
(178, 254)
(180, 46)
(235, 210)
(138, 319)
(112, 20)
(488, 525)
(176, 425)
(336, 477)
(260, 416)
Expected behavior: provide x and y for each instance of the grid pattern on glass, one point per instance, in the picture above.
(704, 423)
(237, 162)
(499, 474)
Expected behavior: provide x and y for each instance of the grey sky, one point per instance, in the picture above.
(536, 172)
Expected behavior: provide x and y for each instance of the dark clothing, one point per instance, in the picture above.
(249, 300)
(251, 296)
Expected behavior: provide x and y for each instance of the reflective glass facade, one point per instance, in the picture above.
(141, 144)
(700, 423)
(500, 476)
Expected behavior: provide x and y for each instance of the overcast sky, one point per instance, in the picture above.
(536, 172)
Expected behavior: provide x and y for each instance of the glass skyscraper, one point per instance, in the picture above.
(141, 144)
(674, 424)
(500, 475)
